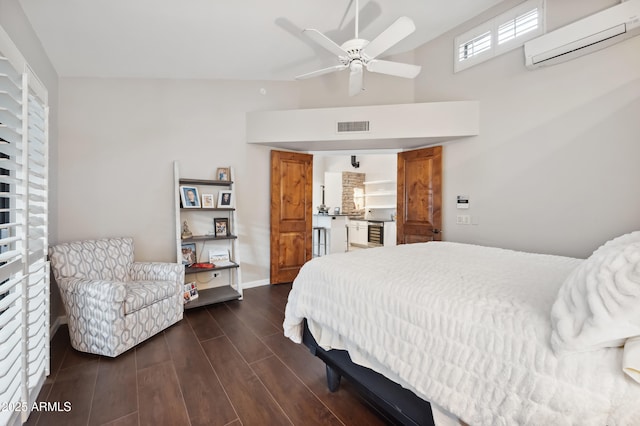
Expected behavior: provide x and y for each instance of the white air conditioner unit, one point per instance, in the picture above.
(584, 36)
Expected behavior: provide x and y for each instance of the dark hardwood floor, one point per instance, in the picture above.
(227, 364)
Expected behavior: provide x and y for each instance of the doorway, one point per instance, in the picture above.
(403, 189)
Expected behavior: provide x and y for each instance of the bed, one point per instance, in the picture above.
(487, 336)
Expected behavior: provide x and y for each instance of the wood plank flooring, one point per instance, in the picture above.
(227, 364)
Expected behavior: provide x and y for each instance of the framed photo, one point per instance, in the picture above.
(188, 253)
(220, 258)
(190, 292)
(189, 197)
(207, 201)
(223, 173)
(225, 199)
(221, 226)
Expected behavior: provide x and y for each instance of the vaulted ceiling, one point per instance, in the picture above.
(221, 39)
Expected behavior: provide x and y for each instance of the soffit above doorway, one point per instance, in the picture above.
(401, 126)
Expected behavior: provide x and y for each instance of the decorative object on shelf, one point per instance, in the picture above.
(188, 253)
(336, 210)
(225, 199)
(189, 197)
(223, 173)
(186, 233)
(221, 226)
(202, 265)
(207, 201)
(220, 258)
(322, 208)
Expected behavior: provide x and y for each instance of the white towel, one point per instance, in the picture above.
(631, 358)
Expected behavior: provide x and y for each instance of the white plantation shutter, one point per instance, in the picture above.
(37, 297)
(11, 238)
(475, 46)
(518, 26)
(501, 34)
(24, 275)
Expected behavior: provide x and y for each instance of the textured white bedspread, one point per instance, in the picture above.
(466, 327)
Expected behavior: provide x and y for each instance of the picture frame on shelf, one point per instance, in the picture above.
(220, 258)
(188, 253)
(221, 226)
(225, 199)
(223, 173)
(207, 201)
(189, 197)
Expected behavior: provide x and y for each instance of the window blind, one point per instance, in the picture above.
(24, 275)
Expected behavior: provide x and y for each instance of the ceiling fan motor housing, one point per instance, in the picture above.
(354, 46)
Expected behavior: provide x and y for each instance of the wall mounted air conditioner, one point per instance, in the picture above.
(585, 36)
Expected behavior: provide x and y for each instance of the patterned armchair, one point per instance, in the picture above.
(112, 302)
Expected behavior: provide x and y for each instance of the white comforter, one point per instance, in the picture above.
(463, 326)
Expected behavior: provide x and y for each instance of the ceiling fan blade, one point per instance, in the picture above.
(398, 69)
(356, 79)
(321, 72)
(325, 42)
(400, 29)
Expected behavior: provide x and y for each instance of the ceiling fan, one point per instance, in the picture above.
(358, 54)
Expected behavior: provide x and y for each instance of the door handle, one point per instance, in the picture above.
(436, 231)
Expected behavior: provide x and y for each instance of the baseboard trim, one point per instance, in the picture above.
(61, 320)
(253, 284)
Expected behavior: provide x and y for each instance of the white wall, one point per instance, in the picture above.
(118, 140)
(555, 168)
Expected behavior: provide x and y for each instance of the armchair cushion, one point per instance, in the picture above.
(157, 271)
(141, 294)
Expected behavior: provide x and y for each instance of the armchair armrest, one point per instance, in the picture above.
(99, 290)
(157, 271)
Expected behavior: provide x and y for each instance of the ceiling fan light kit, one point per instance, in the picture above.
(358, 54)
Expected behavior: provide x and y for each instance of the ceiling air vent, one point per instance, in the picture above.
(353, 126)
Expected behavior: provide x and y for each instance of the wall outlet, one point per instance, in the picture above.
(463, 219)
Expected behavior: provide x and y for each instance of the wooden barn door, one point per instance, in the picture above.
(419, 215)
(291, 214)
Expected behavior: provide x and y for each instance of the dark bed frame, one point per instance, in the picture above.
(397, 404)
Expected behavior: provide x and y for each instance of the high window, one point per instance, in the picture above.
(501, 34)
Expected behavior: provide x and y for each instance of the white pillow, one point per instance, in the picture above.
(598, 305)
